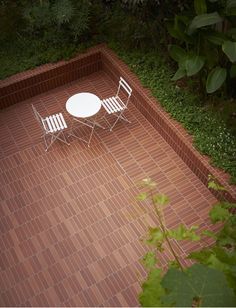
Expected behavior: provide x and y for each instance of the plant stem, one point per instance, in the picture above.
(164, 230)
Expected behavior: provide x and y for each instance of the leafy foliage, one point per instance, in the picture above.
(149, 260)
(206, 286)
(211, 135)
(211, 282)
(215, 79)
(62, 11)
(152, 290)
(183, 233)
(218, 213)
(208, 48)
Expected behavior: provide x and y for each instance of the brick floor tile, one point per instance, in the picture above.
(70, 225)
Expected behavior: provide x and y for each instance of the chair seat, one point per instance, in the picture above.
(54, 123)
(117, 104)
(113, 104)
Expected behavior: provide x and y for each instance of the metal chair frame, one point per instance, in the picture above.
(87, 122)
(53, 126)
(115, 105)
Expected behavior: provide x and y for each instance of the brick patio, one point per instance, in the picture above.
(70, 226)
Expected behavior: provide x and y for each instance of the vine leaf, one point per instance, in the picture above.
(218, 213)
(149, 260)
(183, 233)
(206, 285)
(152, 290)
(142, 196)
(156, 237)
(160, 199)
(214, 185)
(209, 233)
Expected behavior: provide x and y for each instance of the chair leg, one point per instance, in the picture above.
(90, 137)
(120, 116)
(53, 138)
(68, 143)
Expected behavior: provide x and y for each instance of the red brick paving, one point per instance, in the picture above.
(70, 228)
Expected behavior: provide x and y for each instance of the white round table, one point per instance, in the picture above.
(83, 105)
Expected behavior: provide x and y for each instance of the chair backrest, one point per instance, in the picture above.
(39, 118)
(123, 85)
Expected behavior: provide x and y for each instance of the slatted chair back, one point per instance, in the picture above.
(52, 126)
(123, 85)
(117, 104)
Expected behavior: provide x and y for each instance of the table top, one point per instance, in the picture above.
(83, 105)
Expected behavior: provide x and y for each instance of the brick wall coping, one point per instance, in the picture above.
(46, 67)
(172, 131)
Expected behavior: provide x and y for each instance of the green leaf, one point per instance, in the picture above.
(193, 64)
(229, 48)
(227, 235)
(152, 290)
(215, 79)
(180, 73)
(200, 256)
(142, 196)
(233, 71)
(182, 233)
(178, 29)
(200, 282)
(218, 213)
(160, 199)
(216, 38)
(214, 185)
(226, 205)
(177, 53)
(149, 260)
(203, 21)
(155, 237)
(173, 264)
(209, 234)
(225, 256)
(173, 32)
(200, 7)
(214, 262)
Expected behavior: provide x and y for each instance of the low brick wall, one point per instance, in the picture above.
(25, 85)
(30, 83)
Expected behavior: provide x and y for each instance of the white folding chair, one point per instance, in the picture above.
(52, 126)
(116, 105)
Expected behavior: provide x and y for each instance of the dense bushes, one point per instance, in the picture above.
(33, 33)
